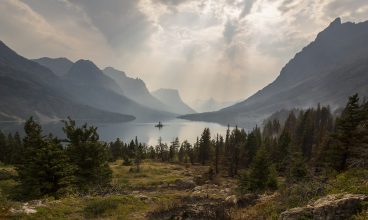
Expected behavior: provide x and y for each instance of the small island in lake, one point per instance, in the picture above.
(159, 125)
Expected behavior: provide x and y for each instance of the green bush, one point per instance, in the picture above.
(301, 193)
(351, 181)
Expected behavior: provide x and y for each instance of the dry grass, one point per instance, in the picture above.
(151, 174)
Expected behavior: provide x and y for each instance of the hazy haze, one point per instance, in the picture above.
(226, 49)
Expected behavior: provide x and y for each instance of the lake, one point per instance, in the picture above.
(146, 132)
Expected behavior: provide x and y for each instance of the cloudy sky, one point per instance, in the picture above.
(225, 49)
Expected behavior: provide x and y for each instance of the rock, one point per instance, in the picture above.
(331, 207)
(143, 198)
(247, 199)
(231, 200)
(28, 207)
(185, 184)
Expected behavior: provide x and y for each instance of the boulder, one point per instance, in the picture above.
(331, 207)
(231, 200)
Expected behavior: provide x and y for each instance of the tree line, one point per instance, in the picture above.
(309, 142)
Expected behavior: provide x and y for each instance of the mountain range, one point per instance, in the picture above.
(171, 98)
(30, 89)
(55, 88)
(211, 104)
(327, 71)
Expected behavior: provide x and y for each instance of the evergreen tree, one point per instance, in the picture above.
(173, 149)
(217, 154)
(138, 154)
(45, 169)
(262, 174)
(188, 152)
(281, 156)
(3, 147)
(88, 155)
(297, 168)
(204, 146)
(116, 149)
(346, 129)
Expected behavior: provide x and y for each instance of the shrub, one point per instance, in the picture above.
(97, 208)
(351, 181)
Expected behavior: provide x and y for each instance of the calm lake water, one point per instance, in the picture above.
(146, 132)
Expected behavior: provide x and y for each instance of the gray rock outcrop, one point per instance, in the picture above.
(331, 207)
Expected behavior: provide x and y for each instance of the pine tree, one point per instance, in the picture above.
(45, 168)
(188, 152)
(88, 155)
(262, 174)
(204, 146)
(173, 149)
(217, 154)
(3, 147)
(297, 168)
(281, 155)
(116, 149)
(346, 129)
(138, 154)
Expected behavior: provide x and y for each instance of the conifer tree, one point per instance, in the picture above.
(44, 169)
(173, 149)
(346, 128)
(138, 154)
(204, 146)
(262, 174)
(88, 155)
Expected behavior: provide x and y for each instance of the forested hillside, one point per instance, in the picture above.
(279, 166)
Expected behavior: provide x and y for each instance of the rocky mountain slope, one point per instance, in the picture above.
(327, 71)
(29, 89)
(135, 89)
(172, 99)
(59, 66)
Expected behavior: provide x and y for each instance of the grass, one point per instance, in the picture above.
(101, 207)
(351, 181)
(131, 206)
(151, 174)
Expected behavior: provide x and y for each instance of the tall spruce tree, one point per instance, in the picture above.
(205, 146)
(88, 155)
(262, 174)
(45, 168)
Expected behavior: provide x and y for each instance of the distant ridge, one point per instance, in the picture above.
(60, 66)
(327, 71)
(30, 89)
(172, 99)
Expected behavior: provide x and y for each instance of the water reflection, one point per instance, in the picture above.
(146, 132)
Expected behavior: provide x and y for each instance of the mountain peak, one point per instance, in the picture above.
(5, 50)
(85, 62)
(336, 22)
(60, 66)
(114, 71)
(86, 66)
(171, 98)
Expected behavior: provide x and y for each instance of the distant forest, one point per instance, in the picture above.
(309, 144)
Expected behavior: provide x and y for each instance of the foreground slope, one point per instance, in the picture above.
(328, 70)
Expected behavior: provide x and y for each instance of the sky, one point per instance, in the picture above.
(224, 49)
